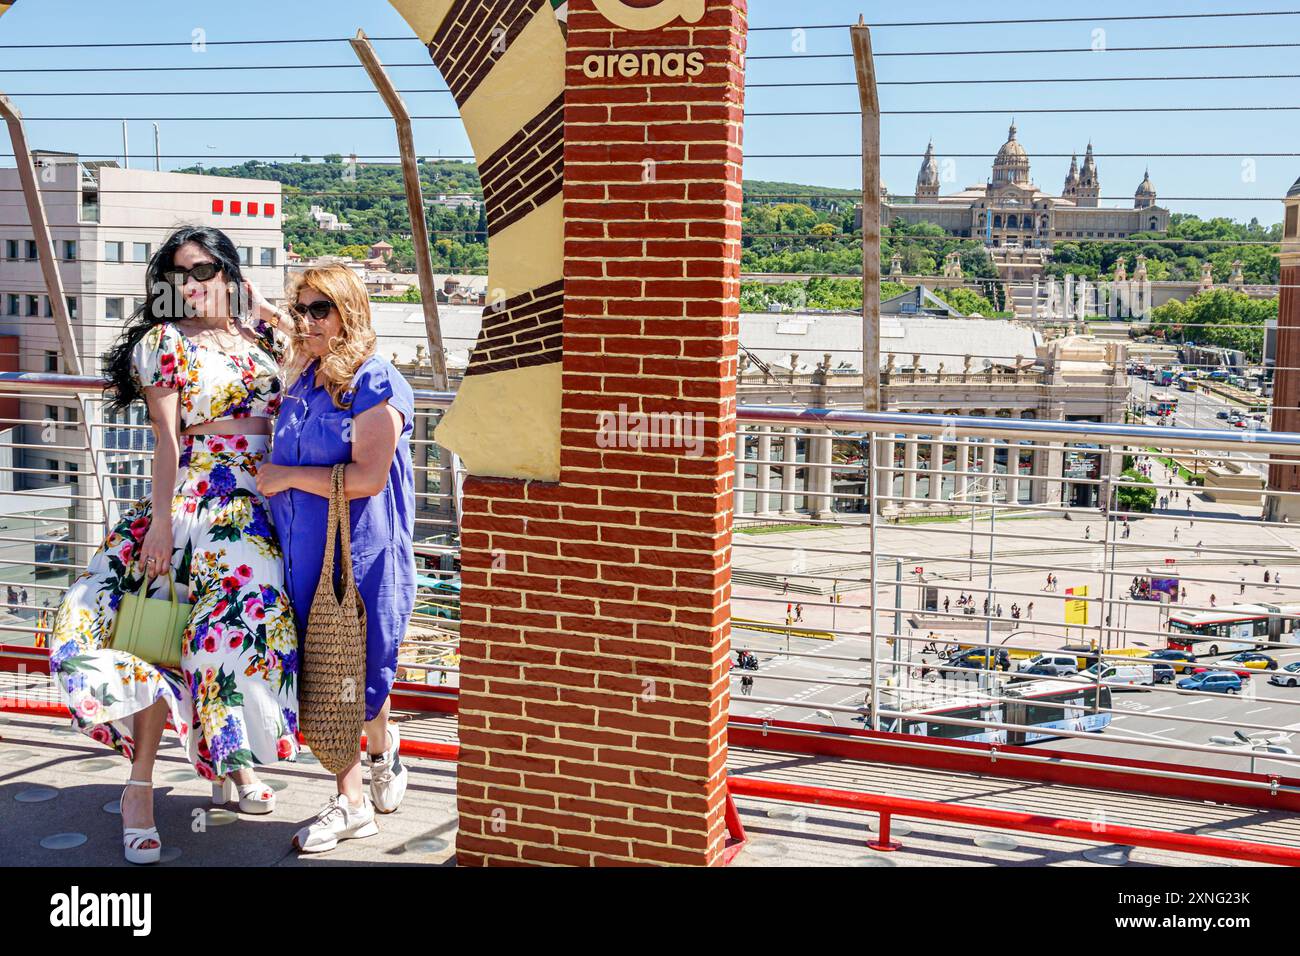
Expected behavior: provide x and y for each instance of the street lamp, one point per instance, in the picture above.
(1270, 743)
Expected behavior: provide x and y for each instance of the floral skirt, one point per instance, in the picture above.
(234, 702)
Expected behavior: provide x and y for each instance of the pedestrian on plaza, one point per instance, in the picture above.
(1212, 601)
(11, 598)
(1087, 532)
(1277, 579)
(986, 607)
(999, 610)
(785, 585)
(798, 612)
(1029, 611)
(945, 605)
(1175, 534)
(1048, 585)
(1183, 595)
(1266, 578)
(1242, 589)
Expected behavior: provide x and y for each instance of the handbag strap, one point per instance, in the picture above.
(331, 526)
(345, 527)
(144, 581)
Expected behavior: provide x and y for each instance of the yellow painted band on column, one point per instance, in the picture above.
(525, 255)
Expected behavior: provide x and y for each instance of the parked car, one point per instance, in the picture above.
(1162, 673)
(1243, 664)
(1221, 413)
(1252, 659)
(1122, 675)
(974, 657)
(1217, 682)
(1288, 676)
(1180, 661)
(1055, 663)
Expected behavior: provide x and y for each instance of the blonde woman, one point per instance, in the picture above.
(212, 385)
(345, 404)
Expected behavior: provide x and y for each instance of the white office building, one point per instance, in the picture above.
(106, 223)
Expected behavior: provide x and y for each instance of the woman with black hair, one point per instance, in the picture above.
(204, 352)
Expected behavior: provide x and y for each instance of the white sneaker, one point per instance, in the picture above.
(387, 775)
(338, 820)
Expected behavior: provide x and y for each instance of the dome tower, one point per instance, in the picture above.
(1145, 197)
(1012, 162)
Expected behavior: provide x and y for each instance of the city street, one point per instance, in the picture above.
(1218, 552)
(1195, 410)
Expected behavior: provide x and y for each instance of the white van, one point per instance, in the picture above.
(1122, 675)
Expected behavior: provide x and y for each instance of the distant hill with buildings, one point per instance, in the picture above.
(335, 202)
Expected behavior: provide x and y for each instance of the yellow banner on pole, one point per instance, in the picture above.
(1076, 611)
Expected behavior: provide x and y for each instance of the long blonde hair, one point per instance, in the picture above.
(356, 339)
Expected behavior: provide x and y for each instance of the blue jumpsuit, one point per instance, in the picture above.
(310, 430)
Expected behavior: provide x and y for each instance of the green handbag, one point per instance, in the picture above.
(151, 628)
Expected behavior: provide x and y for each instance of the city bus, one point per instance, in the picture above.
(1187, 383)
(1237, 627)
(1163, 377)
(1025, 704)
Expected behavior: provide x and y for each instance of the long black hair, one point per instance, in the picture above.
(164, 303)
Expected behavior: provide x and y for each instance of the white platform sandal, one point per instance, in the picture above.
(135, 838)
(252, 797)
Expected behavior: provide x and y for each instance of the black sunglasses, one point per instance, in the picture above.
(201, 272)
(318, 310)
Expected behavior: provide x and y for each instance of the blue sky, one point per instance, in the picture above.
(1246, 135)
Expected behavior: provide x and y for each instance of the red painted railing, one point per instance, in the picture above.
(889, 807)
(1039, 764)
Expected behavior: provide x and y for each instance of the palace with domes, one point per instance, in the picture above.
(1009, 211)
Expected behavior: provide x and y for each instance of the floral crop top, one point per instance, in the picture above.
(215, 385)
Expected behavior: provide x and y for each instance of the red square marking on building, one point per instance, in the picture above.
(235, 206)
(218, 206)
(268, 210)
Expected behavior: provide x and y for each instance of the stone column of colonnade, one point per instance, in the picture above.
(821, 454)
(936, 471)
(909, 473)
(762, 505)
(738, 482)
(988, 488)
(789, 465)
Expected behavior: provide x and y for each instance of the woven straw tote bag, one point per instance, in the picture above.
(332, 694)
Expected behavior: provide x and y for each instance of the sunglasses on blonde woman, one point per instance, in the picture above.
(318, 310)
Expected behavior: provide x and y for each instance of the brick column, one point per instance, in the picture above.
(596, 611)
(1284, 473)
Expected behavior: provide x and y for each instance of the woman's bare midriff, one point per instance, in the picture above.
(232, 426)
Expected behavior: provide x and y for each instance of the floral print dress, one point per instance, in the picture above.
(234, 702)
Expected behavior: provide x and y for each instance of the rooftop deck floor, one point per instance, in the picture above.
(85, 777)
